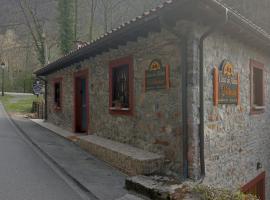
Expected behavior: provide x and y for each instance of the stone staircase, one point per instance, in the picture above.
(154, 187)
(128, 159)
(160, 188)
(133, 197)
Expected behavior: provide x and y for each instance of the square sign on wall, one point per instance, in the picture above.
(157, 76)
(226, 84)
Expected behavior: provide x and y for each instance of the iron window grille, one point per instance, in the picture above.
(120, 85)
(57, 94)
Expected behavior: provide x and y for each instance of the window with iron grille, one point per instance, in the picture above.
(57, 94)
(257, 87)
(121, 86)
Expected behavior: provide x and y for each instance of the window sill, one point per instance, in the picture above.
(258, 107)
(57, 109)
(120, 111)
(255, 110)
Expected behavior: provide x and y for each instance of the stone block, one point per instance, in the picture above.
(128, 159)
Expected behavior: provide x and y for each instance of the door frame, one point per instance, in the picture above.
(81, 74)
(255, 181)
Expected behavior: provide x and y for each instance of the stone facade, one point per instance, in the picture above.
(156, 123)
(235, 139)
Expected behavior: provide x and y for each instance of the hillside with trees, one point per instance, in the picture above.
(36, 32)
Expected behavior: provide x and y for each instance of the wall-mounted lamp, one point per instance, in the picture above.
(259, 165)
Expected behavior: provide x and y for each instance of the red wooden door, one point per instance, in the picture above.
(256, 187)
(81, 105)
(77, 105)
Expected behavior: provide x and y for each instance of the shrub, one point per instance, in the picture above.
(211, 193)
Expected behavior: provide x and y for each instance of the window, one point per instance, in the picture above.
(121, 86)
(57, 94)
(120, 93)
(257, 87)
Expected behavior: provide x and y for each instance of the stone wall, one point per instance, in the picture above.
(235, 140)
(156, 123)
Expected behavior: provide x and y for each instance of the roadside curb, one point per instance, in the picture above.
(71, 137)
(53, 161)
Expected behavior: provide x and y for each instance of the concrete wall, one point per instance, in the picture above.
(156, 123)
(235, 140)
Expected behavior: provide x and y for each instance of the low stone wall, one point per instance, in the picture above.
(130, 160)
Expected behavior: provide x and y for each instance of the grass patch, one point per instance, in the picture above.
(22, 104)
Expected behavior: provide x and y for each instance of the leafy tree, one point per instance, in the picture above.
(66, 21)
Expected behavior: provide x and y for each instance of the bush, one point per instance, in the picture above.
(211, 193)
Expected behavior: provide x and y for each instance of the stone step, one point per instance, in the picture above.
(156, 187)
(133, 197)
(128, 159)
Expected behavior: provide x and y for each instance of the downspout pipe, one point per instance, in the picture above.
(182, 44)
(46, 96)
(201, 89)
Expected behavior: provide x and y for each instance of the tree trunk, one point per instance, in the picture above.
(106, 19)
(75, 19)
(92, 18)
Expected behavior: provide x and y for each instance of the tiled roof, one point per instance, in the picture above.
(66, 59)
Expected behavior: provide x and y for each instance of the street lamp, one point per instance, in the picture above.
(3, 65)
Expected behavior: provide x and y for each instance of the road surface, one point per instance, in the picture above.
(24, 174)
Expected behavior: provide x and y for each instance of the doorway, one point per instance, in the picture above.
(81, 97)
(256, 187)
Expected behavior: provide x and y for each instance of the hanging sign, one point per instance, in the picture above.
(226, 84)
(157, 76)
(37, 87)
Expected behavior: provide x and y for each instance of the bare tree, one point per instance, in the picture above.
(105, 5)
(36, 29)
(93, 7)
(75, 19)
(108, 7)
(13, 51)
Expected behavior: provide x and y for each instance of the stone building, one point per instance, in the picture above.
(187, 81)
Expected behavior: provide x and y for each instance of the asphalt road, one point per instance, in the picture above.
(24, 174)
